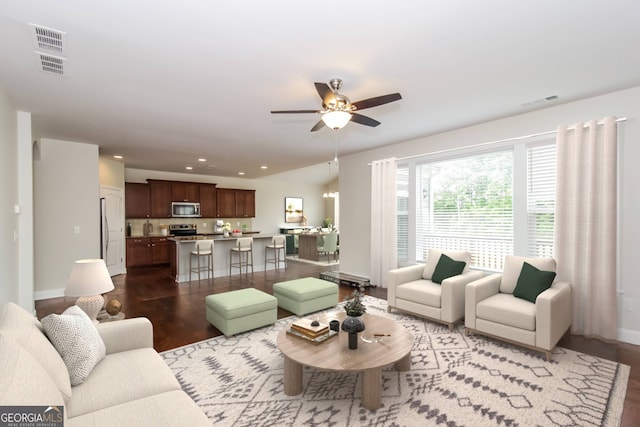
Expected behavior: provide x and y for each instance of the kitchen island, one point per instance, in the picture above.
(182, 246)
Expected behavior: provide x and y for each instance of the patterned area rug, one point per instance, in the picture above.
(454, 380)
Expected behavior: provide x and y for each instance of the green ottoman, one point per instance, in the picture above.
(242, 310)
(306, 295)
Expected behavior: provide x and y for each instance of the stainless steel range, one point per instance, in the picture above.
(183, 229)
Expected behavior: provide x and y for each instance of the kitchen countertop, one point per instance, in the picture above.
(198, 236)
(187, 239)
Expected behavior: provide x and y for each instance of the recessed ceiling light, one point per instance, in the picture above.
(240, 173)
(117, 156)
(202, 159)
(189, 168)
(263, 167)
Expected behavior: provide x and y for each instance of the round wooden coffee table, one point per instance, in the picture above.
(334, 355)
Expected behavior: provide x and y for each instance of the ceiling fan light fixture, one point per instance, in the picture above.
(336, 119)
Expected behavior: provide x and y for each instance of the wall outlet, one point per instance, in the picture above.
(76, 229)
(627, 304)
(204, 225)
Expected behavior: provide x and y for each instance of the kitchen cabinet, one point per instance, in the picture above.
(136, 200)
(138, 251)
(208, 200)
(161, 193)
(226, 203)
(245, 203)
(234, 203)
(143, 251)
(153, 200)
(185, 191)
(160, 250)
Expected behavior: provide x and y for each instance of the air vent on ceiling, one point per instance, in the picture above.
(540, 101)
(49, 40)
(51, 64)
(51, 49)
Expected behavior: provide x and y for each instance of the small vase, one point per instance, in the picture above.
(225, 233)
(353, 325)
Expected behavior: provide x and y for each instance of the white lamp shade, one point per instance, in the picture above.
(336, 119)
(88, 277)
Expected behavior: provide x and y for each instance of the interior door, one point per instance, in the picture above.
(113, 229)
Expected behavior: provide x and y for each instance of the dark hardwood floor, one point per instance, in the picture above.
(178, 314)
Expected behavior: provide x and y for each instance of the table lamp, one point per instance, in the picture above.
(89, 279)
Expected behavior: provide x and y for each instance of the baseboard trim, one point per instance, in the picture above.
(629, 336)
(52, 293)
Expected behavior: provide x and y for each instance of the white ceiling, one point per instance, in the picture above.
(166, 82)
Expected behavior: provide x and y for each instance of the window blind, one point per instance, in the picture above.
(402, 210)
(466, 204)
(541, 194)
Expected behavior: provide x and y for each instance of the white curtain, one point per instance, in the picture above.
(585, 223)
(383, 221)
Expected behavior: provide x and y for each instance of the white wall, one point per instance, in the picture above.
(111, 173)
(8, 198)
(270, 195)
(355, 183)
(67, 208)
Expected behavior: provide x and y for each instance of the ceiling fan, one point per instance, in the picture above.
(337, 110)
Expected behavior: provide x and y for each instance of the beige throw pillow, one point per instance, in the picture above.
(77, 340)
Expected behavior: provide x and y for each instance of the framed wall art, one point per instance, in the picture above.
(293, 209)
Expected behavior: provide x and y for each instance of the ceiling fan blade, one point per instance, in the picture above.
(325, 93)
(293, 111)
(378, 100)
(318, 126)
(364, 120)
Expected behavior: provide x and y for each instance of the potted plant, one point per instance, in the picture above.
(327, 223)
(353, 305)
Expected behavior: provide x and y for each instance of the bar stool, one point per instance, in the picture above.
(244, 250)
(278, 243)
(203, 249)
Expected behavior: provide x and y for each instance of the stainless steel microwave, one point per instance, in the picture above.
(185, 209)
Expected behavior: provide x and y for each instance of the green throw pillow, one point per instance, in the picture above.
(446, 268)
(532, 282)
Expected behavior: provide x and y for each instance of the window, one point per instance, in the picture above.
(541, 194)
(402, 212)
(490, 203)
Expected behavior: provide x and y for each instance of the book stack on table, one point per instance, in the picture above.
(306, 329)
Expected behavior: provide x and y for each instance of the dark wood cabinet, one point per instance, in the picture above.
(234, 203)
(153, 200)
(226, 202)
(136, 200)
(208, 200)
(138, 251)
(245, 203)
(143, 251)
(185, 191)
(160, 250)
(161, 193)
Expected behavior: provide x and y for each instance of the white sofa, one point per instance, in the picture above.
(131, 386)
(411, 289)
(493, 310)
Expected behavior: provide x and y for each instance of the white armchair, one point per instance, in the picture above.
(493, 310)
(412, 290)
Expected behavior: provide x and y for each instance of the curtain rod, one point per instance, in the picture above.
(517, 138)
